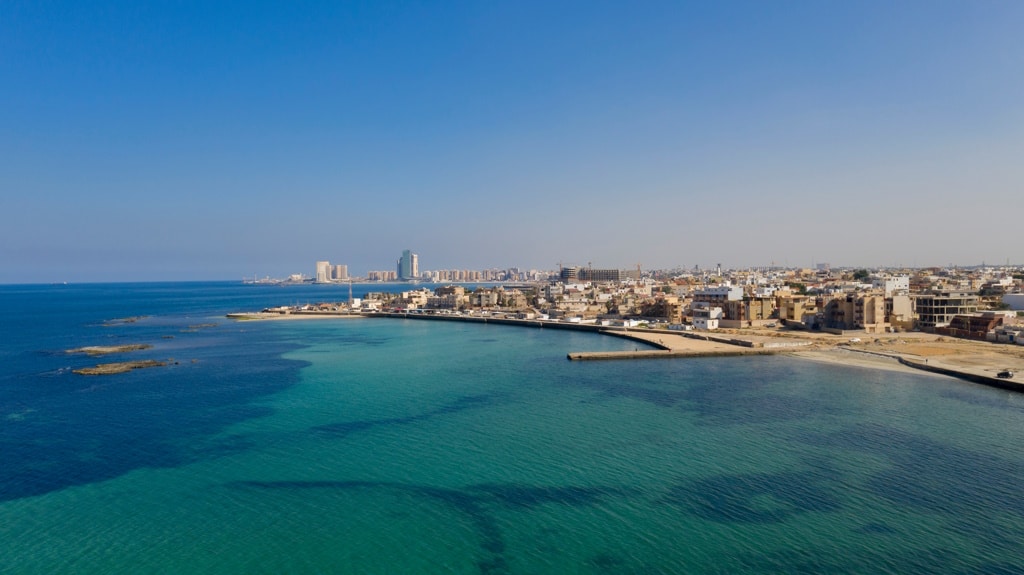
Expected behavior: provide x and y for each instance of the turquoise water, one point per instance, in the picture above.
(402, 446)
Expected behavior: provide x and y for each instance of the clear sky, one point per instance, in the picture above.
(202, 140)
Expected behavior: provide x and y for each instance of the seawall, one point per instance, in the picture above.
(1001, 383)
(657, 354)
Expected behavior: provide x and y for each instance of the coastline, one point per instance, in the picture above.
(918, 353)
(841, 356)
(486, 430)
(275, 316)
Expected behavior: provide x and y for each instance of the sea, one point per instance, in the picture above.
(391, 446)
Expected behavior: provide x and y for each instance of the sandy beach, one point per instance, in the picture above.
(848, 357)
(910, 352)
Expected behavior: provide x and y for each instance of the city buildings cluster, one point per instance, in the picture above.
(979, 303)
(325, 272)
(407, 269)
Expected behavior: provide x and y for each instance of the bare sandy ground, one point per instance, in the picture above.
(875, 351)
(840, 356)
(682, 343)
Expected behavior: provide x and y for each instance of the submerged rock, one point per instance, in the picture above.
(108, 349)
(119, 367)
(124, 320)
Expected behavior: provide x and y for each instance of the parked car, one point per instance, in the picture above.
(1005, 374)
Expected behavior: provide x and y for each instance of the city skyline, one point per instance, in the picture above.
(147, 143)
(407, 269)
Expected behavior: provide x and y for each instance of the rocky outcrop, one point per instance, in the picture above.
(119, 367)
(108, 349)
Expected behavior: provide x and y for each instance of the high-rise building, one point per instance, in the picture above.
(408, 266)
(599, 275)
(341, 272)
(569, 273)
(323, 272)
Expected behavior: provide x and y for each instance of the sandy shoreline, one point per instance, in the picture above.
(915, 352)
(840, 356)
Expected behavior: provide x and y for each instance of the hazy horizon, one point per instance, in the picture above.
(199, 142)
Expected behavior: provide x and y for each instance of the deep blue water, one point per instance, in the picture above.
(399, 446)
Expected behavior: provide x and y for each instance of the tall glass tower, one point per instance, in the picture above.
(408, 266)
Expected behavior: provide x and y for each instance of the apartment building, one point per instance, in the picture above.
(855, 312)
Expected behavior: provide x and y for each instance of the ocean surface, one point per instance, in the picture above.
(401, 446)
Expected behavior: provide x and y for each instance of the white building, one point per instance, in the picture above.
(892, 284)
(1007, 334)
(1014, 300)
(323, 272)
(719, 293)
(706, 317)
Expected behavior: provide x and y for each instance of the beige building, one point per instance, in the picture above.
(748, 312)
(855, 312)
(381, 276)
(516, 299)
(484, 298)
(794, 308)
(900, 311)
(669, 307)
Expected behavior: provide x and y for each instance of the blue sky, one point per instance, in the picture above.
(198, 140)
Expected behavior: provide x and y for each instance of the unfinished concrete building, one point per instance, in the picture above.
(937, 309)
